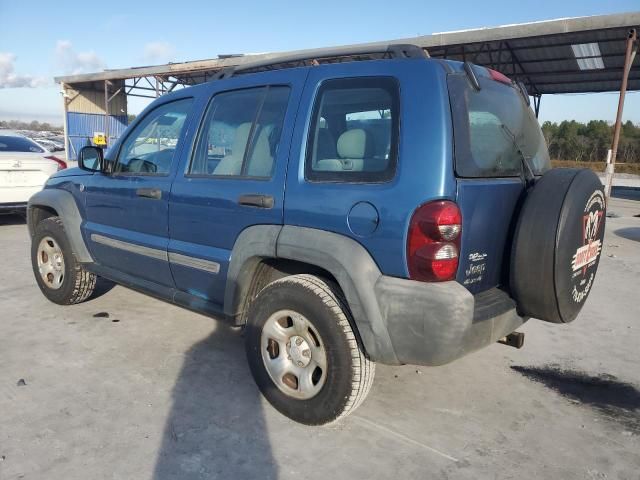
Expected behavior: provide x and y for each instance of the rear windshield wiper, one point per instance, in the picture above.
(528, 177)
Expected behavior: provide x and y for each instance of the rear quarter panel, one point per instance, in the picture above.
(424, 169)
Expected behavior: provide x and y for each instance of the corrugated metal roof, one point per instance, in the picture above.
(539, 53)
(547, 63)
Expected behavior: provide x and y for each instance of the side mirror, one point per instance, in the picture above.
(91, 159)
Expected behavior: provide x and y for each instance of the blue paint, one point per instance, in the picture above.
(363, 219)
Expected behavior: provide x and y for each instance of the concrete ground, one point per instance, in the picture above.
(127, 387)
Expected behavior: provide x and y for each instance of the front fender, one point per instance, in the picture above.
(65, 205)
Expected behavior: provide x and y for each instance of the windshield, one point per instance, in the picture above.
(493, 129)
(12, 143)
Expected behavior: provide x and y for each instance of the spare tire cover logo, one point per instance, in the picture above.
(586, 255)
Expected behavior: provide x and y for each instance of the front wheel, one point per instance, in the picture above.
(59, 275)
(303, 352)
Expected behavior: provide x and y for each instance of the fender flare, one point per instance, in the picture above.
(65, 205)
(344, 258)
(252, 246)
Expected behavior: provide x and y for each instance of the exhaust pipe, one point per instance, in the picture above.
(514, 339)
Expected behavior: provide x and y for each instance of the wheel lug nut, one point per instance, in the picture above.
(300, 364)
(298, 341)
(306, 353)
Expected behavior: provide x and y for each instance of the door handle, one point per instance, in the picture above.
(256, 200)
(154, 193)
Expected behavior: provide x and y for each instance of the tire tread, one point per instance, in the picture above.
(363, 369)
(84, 282)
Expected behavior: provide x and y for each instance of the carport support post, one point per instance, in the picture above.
(106, 111)
(628, 61)
(536, 103)
(65, 102)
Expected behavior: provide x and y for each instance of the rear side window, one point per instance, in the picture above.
(240, 134)
(493, 129)
(10, 143)
(353, 136)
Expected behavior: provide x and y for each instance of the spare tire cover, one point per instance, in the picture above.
(557, 244)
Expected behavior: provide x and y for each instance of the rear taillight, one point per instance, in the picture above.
(499, 77)
(61, 163)
(433, 243)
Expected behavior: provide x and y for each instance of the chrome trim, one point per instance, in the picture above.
(198, 263)
(130, 247)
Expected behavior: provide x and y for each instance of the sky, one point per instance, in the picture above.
(42, 39)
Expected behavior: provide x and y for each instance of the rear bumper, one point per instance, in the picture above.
(10, 195)
(13, 207)
(436, 323)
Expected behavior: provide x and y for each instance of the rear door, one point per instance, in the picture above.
(127, 210)
(493, 128)
(233, 177)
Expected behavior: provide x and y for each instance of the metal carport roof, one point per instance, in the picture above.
(546, 56)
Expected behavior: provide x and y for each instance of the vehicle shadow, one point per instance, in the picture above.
(630, 233)
(614, 399)
(216, 428)
(102, 286)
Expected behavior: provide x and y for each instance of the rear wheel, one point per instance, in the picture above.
(303, 352)
(59, 275)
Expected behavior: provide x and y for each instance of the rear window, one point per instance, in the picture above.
(18, 144)
(493, 129)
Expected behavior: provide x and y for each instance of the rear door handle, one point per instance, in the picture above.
(154, 193)
(255, 200)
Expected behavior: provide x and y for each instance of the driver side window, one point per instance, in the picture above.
(150, 148)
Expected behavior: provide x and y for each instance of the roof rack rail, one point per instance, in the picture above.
(326, 55)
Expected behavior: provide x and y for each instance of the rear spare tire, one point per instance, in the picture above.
(557, 244)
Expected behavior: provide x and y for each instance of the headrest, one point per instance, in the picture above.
(352, 143)
(240, 138)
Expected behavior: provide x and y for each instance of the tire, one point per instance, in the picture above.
(557, 244)
(66, 282)
(275, 317)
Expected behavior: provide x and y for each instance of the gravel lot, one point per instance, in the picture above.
(128, 387)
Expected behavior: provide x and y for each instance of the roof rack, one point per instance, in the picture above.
(326, 55)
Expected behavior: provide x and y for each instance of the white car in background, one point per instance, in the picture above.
(24, 168)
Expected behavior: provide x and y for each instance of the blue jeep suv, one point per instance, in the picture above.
(395, 210)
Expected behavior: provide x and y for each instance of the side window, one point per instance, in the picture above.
(150, 148)
(240, 133)
(354, 131)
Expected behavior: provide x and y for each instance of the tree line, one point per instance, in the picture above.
(589, 142)
(34, 126)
